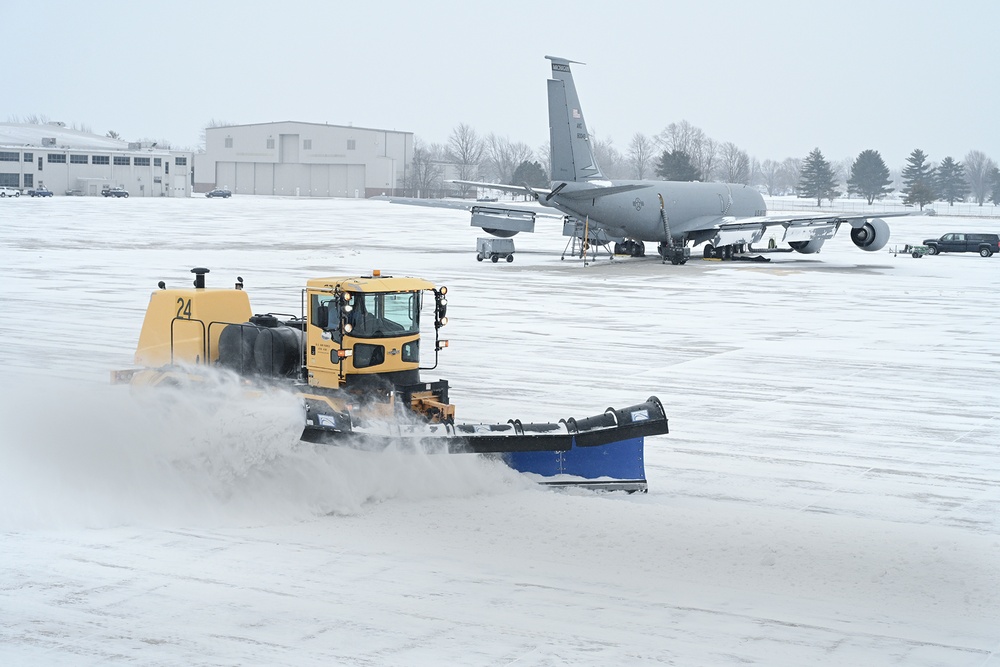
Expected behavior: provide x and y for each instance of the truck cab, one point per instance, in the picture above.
(364, 326)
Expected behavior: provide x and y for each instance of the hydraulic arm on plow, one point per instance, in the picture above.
(353, 356)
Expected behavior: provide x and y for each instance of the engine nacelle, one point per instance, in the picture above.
(807, 247)
(872, 235)
(502, 222)
(502, 233)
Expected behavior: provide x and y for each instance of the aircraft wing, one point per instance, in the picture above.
(796, 227)
(496, 218)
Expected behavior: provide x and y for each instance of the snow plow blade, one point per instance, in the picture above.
(604, 451)
(612, 426)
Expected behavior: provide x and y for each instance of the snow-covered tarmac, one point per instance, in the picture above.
(829, 493)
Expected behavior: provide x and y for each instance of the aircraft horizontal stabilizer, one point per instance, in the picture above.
(601, 191)
(516, 189)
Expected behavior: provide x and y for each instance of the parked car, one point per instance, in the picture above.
(40, 191)
(9, 192)
(219, 192)
(984, 244)
(115, 192)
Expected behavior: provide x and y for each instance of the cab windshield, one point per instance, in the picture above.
(384, 314)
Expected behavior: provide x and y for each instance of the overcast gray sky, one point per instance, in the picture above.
(777, 78)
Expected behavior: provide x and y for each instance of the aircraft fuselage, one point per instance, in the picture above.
(636, 214)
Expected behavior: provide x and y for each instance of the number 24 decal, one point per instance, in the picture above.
(183, 308)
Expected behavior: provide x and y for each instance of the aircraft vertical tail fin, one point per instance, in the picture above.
(569, 143)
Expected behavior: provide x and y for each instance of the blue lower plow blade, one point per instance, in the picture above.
(615, 466)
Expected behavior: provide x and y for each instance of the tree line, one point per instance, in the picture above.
(683, 152)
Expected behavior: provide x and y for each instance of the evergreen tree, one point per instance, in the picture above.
(918, 180)
(952, 184)
(530, 173)
(869, 176)
(677, 166)
(994, 177)
(816, 179)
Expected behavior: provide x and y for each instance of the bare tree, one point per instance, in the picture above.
(503, 156)
(978, 168)
(640, 155)
(113, 135)
(609, 159)
(692, 141)
(770, 175)
(734, 164)
(427, 169)
(544, 153)
(842, 171)
(791, 172)
(682, 136)
(465, 149)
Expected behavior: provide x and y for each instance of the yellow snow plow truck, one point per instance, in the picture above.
(353, 355)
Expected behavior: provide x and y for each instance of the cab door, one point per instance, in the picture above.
(953, 243)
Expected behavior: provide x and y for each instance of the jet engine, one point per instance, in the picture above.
(807, 247)
(502, 233)
(501, 222)
(872, 235)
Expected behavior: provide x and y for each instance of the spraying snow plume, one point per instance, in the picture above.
(85, 455)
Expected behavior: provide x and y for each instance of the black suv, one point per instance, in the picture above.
(984, 244)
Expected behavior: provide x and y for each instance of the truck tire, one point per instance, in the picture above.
(479, 256)
(510, 258)
(985, 252)
(494, 259)
(932, 250)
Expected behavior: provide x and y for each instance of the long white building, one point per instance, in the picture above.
(73, 162)
(304, 159)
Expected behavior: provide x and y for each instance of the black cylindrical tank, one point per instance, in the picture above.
(277, 351)
(236, 343)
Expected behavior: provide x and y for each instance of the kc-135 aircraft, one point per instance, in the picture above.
(726, 217)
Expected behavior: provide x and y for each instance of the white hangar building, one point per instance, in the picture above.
(73, 162)
(304, 159)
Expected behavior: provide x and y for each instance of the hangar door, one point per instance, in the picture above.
(327, 180)
(244, 184)
(356, 180)
(263, 178)
(291, 179)
(225, 174)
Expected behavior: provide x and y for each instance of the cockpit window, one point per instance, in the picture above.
(385, 314)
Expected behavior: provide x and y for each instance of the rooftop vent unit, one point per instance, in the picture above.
(48, 141)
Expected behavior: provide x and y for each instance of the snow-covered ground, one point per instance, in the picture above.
(829, 493)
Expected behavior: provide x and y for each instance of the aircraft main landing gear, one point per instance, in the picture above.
(631, 248)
